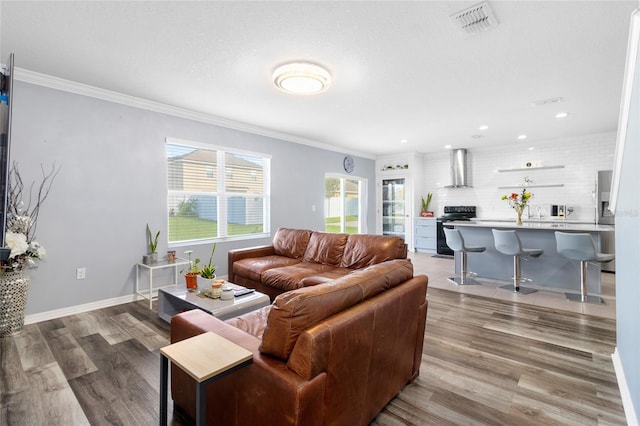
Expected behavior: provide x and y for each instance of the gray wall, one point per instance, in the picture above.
(628, 251)
(113, 182)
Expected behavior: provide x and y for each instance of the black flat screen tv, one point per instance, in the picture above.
(6, 103)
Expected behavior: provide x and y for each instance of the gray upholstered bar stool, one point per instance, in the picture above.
(578, 246)
(456, 243)
(508, 242)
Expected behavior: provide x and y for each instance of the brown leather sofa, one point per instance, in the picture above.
(332, 354)
(300, 258)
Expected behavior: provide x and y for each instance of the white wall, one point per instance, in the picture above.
(113, 182)
(581, 157)
(628, 259)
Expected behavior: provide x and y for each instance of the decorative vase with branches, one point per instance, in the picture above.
(22, 212)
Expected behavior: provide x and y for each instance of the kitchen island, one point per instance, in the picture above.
(549, 270)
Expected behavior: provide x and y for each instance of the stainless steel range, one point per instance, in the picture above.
(451, 213)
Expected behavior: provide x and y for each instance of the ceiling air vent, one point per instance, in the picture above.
(475, 19)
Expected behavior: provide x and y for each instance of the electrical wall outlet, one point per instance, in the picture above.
(81, 273)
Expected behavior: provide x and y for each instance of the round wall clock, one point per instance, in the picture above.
(348, 164)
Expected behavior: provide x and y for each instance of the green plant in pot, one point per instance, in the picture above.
(153, 244)
(425, 212)
(191, 276)
(208, 271)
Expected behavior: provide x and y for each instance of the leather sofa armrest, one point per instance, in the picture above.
(245, 253)
(265, 389)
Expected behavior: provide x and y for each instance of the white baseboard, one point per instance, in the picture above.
(78, 309)
(71, 310)
(627, 403)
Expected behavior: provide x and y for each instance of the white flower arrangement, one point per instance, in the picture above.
(21, 221)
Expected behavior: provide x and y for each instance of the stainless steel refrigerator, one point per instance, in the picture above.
(604, 216)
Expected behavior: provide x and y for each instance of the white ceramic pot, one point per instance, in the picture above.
(205, 282)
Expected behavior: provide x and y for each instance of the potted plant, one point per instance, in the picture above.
(424, 212)
(207, 272)
(153, 244)
(191, 276)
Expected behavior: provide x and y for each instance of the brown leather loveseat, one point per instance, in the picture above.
(331, 354)
(300, 258)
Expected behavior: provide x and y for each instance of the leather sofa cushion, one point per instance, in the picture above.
(252, 322)
(295, 311)
(365, 250)
(325, 248)
(291, 242)
(290, 277)
(253, 267)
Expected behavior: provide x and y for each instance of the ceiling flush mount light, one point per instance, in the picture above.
(562, 115)
(301, 78)
(483, 127)
(521, 137)
(404, 140)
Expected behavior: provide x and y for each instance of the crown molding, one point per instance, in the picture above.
(69, 86)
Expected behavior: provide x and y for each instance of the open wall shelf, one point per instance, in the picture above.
(551, 185)
(520, 169)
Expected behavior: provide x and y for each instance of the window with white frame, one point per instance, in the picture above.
(344, 204)
(215, 192)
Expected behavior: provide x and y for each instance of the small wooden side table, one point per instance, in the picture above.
(206, 358)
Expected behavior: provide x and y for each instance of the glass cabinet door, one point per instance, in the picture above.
(393, 207)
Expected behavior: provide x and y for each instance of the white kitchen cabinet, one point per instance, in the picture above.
(425, 239)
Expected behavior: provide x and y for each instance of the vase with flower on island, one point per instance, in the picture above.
(518, 202)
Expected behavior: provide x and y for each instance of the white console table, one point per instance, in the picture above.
(160, 264)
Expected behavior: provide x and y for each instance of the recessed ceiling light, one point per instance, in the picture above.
(562, 115)
(521, 137)
(447, 146)
(301, 78)
(403, 141)
(531, 148)
(483, 127)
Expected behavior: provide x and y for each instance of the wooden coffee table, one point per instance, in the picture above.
(173, 300)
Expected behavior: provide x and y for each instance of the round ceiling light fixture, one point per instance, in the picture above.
(301, 78)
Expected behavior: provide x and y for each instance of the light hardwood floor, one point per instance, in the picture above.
(485, 362)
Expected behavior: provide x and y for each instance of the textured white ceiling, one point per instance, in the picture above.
(401, 70)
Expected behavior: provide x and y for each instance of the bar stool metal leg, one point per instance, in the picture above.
(517, 279)
(463, 279)
(584, 296)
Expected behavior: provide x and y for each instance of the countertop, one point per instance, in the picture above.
(550, 226)
(536, 220)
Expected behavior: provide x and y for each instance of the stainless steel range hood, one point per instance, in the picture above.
(458, 169)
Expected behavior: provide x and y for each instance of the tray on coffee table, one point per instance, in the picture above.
(172, 301)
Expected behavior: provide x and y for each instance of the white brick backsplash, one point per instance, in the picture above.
(581, 157)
